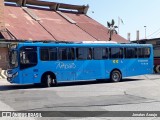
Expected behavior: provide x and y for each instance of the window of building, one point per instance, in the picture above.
(156, 52)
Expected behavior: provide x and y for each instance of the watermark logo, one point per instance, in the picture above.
(6, 114)
(21, 114)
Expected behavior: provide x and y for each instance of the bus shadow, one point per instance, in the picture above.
(94, 82)
(32, 86)
(131, 80)
(18, 87)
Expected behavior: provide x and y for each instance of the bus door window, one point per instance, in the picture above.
(28, 57)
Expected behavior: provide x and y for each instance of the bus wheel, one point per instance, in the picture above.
(48, 81)
(115, 76)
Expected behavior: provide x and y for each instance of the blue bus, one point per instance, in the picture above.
(52, 63)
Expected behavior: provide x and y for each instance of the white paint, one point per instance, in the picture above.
(62, 65)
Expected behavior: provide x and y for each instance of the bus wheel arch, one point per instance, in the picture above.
(48, 79)
(115, 75)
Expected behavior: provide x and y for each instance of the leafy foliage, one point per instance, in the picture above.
(112, 29)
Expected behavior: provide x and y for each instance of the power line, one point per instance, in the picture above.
(157, 34)
(154, 33)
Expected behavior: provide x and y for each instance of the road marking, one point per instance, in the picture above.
(158, 68)
(3, 74)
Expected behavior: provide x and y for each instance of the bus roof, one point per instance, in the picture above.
(80, 44)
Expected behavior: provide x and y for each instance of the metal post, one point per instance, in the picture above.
(145, 27)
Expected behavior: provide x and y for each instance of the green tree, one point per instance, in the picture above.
(112, 29)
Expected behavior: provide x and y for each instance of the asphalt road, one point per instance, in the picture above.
(141, 93)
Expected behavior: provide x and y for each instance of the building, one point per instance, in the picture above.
(156, 47)
(23, 20)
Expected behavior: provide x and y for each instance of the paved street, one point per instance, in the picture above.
(140, 93)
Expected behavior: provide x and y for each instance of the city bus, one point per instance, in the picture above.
(53, 63)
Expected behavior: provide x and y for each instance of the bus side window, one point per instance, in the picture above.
(71, 54)
(143, 52)
(116, 52)
(53, 53)
(82, 53)
(105, 53)
(89, 55)
(44, 54)
(130, 52)
(121, 52)
(147, 52)
(100, 53)
(62, 53)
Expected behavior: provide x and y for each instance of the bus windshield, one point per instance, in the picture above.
(13, 59)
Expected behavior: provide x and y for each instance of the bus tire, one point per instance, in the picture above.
(48, 80)
(115, 76)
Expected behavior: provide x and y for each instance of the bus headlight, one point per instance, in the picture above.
(14, 75)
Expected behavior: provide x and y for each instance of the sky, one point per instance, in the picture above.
(135, 14)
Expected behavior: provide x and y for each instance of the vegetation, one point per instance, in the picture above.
(112, 29)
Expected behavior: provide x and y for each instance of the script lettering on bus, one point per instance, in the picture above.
(62, 65)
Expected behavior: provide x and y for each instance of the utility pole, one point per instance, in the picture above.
(145, 29)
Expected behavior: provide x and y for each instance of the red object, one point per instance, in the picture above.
(53, 26)
(156, 61)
